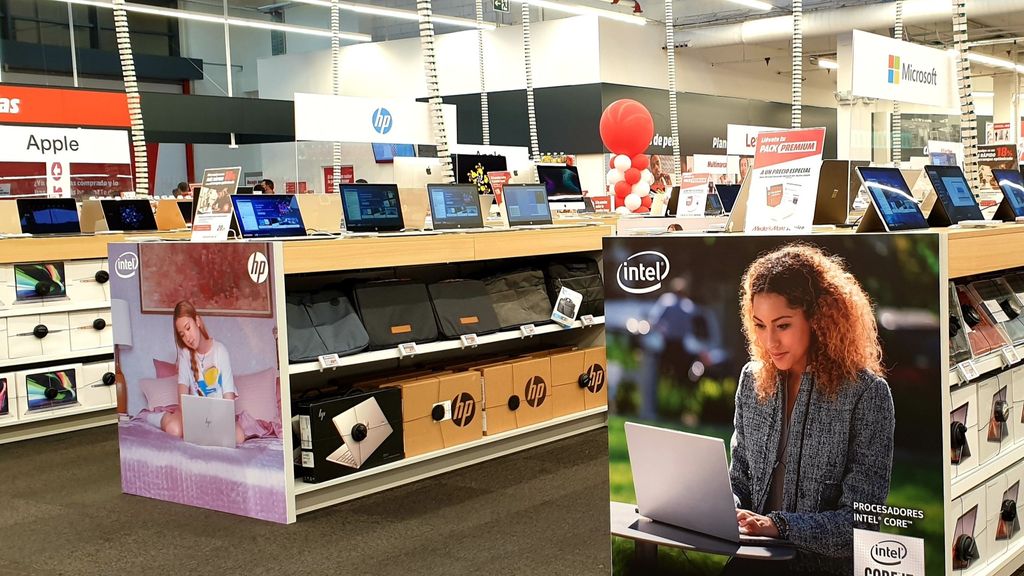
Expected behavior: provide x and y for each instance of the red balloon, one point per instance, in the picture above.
(626, 127)
(646, 201)
(632, 176)
(641, 161)
(622, 189)
(642, 209)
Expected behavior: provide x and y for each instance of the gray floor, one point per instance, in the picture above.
(542, 511)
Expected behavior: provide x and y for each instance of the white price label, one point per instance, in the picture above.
(469, 341)
(329, 361)
(528, 330)
(1010, 356)
(406, 350)
(305, 433)
(307, 460)
(587, 320)
(968, 371)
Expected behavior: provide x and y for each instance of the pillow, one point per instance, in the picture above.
(160, 392)
(165, 369)
(258, 395)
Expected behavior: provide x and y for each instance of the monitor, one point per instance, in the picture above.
(463, 164)
(560, 180)
(526, 205)
(892, 206)
(244, 190)
(48, 215)
(454, 206)
(129, 215)
(1012, 185)
(386, 153)
(832, 204)
(186, 210)
(956, 201)
(727, 193)
(271, 216)
(371, 207)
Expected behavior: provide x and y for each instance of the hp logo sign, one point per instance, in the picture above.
(381, 120)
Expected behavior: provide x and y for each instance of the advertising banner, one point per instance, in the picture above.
(995, 157)
(498, 180)
(784, 182)
(63, 107)
(710, 164)
(196, 347)
(320, 118)
(742, 138)
(348, 176)
(900, 71)
(779, 389)
(693, 194)
(213, 209)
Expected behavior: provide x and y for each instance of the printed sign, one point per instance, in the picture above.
(902, 71)
(498, 181)
(320, 118)
(348, 176)
(995, 157)
(693, 194)
(882, 553)
(742, 138)
(710, 164)
(63, 107)
(213, 209)
(784, 182)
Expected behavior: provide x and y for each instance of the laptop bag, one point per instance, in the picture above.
(463, 307)
(519, 298)
(323, 322)
(395, 312)
(581, 275)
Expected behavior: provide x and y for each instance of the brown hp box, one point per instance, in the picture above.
(578, 380)
(440, 411)
(517, 393)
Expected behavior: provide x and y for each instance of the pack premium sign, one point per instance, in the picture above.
(784, 183)
(320, 118)
(902, 71)
(742, 138)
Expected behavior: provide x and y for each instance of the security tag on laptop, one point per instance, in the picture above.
(407, 349)
(567, 306)
(968, 371)
(469, 341)
(587, 320)
(329, 361)
(1010, 356)
(528, 330)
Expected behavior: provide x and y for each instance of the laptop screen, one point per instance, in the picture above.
(727, 193)
(371, 207)
(48, 215)
(274, 216)
(560, 180)
(135, 215)
(954, 192)
(185, 206)
(454, 206)
(1012, 185)
(891, 196)
(526, 205)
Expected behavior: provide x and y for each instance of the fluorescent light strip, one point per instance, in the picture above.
(984, 94)
(400, 14)
(214, 19)
(587, 11)
(993, 61)
(828, 64)
(755, 4)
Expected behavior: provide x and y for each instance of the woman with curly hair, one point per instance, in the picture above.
(814, 419)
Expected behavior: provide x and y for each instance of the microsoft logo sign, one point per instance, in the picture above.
(906, 72)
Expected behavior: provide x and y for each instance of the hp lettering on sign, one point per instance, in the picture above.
(463, 409)
(382, 120)
(536, 391)
(259, 268)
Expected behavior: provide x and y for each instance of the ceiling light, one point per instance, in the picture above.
(828, 64)
(993, 61)
(587, 11)
(755, 4)
(400, 14)
(984, 94)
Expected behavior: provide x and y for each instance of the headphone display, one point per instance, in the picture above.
(965, 549)
(958, 435)
(1001, 411)
(971, 316)
(1008, 511)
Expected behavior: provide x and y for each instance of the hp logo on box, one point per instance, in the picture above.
(381, 120)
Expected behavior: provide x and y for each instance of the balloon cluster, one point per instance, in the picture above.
(626, 130)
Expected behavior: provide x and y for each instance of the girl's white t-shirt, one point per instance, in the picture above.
(215, 376)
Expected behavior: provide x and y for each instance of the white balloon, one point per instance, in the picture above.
(633, 202)
(647, 176)
(622, 210)
(614, 177)
(623, 163)
(641, 188)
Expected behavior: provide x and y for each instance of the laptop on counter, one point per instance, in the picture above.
(956, 204)
(47, 216)
(129, 215)
(455, 207)
(371, 208)
(525, 205)
(893, 207)
(270, 216)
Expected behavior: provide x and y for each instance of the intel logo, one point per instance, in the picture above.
(381, 120)
(643, 272)
(126, 265)
(888, 552)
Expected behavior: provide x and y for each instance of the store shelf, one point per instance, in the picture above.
(310, 497)
(57, 358)
(967, 481)
(57, 422)
(1007, 563)
(988, 363)
(64, 306)
(977, 251)
(435, 347)
(42, 248)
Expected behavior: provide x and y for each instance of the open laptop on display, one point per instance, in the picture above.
(525, 205)
(892, 206)
(271, 216)
(47, 216)
(676, 492)
(1012, 185)
(208, 421)
(832, 205)
(169, 216)
(371, 208)
(728, 194)
(956, 203)
(368, 417)
(455, 207)
(129, 215)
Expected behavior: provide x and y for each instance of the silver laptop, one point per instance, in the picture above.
(208, 421)
(353, 453)
(683, 479)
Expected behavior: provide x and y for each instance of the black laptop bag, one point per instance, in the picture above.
(322, 322)
(581, 275)
(395, 312)
(463, 307)
(519, 298)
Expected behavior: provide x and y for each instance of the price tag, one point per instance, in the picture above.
(329, 361)
(406, 350)
(469, 341)
(528, 330)
(1010, 356)
(967, 370)
(587, 320)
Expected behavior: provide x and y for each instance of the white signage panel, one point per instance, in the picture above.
(742, 138)
(66, 145)
(891, 69)
(320, 118)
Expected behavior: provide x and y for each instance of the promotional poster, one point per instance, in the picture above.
(195, 336)
(995, 157)
(213, 211)
(693, 195)
(784, 181)
(775, 405)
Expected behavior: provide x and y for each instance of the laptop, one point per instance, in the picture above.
(371, 208)
(455, 206)
(10, 219)
(129, 215)
(713, 205)
(832, 204)
(365, 420)
(892, 207)
(208, 421)
(185, 207)
(525, 205)
(727, 193)
(169, 216)
(738, 215)
(415, 207)
(672, 490)
(956, 204)
(272, 216)
(560, 180)
(320, 212)
(1012, 185)
(47, 216)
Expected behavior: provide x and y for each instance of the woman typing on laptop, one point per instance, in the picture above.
(814, 419)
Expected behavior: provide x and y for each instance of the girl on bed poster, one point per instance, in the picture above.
(196, 342)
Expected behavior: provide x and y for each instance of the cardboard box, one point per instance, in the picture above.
(42, 391)
(531, 391)
(579, 380)
(497, 390)
(441, 411)
(343, 435)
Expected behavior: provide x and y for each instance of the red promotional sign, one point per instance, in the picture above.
(348, 176)
(602, 203)
(498, 181)
(780, 147)
(63, 107)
